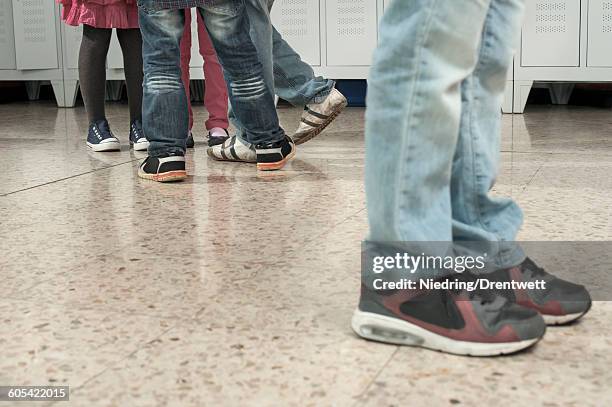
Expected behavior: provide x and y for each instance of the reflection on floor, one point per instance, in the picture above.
(237, 289)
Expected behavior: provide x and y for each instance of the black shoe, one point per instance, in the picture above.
(167, 168)
(274, 156)
(190, 143)
(216, 140)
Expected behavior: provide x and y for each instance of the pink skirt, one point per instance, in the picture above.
(100, 13)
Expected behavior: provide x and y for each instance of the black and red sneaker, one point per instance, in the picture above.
(274, 156)
(459, 322)
(561, 302)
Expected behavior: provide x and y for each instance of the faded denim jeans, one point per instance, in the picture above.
(165, 114)
(433, 124)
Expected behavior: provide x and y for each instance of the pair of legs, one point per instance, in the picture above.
(165, 117)
(215, 96)
(92, 69)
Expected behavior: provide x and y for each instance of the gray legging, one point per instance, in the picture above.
(92, 69)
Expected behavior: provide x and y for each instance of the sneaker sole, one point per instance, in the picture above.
(111, 146)
(170, 176)
(318, 130)
(214, 157)
(381, 328)
(277, 165)
(564, 319)
(140, 146)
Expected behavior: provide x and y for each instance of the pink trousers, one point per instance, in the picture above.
(215, 95)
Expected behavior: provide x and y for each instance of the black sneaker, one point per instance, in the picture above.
(137, 138)
(216, 140)
(167, 168)
(274, 156)
(460, 322)
(561, 302)
(101, 138)
(190, 143)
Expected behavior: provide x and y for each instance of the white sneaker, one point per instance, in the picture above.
(233, 149)
(317, 116)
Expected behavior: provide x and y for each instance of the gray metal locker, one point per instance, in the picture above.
(35, 35)
(299, 23)
(352, 32)
(599, 48)
(7, 36)
(196, 59)
(551, 33)
(114, 58)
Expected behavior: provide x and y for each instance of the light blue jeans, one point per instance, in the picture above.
(433, 124)
(285, 74)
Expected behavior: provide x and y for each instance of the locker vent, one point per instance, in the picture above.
(351, 18)
(606, 17)
(551, 17)
(293, 21)
(34, 21)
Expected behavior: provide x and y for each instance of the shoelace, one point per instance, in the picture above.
(137, 132)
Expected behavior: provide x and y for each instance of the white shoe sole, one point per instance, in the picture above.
(141, 146)
(392, 330)
(109, 146)
(562, 319)
(230, 158)
(170, 176)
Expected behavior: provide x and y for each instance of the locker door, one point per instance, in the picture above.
(551, 33)
(114, 58)
(386, 3)
(599, 52)
(7, 36)
(351, 32)
(196, 59)
(35, 36)
(72, 43)
(298, 21)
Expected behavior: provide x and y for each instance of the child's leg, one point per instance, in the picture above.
(131, 46)
(164, 120)
(185, 58)
(215, 96)
(92, 70)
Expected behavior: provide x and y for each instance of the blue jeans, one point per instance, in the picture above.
(285, 73)
(165, 115)
(433, 124)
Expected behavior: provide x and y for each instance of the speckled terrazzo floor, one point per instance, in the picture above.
(91, 297)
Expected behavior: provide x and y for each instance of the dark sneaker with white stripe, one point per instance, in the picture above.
(317, 116)
(233, 149)
(214, 139)
(101, 138)
(137, 138)
(167, 168)
(561, 302)
(274, 156)
(464, 323)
